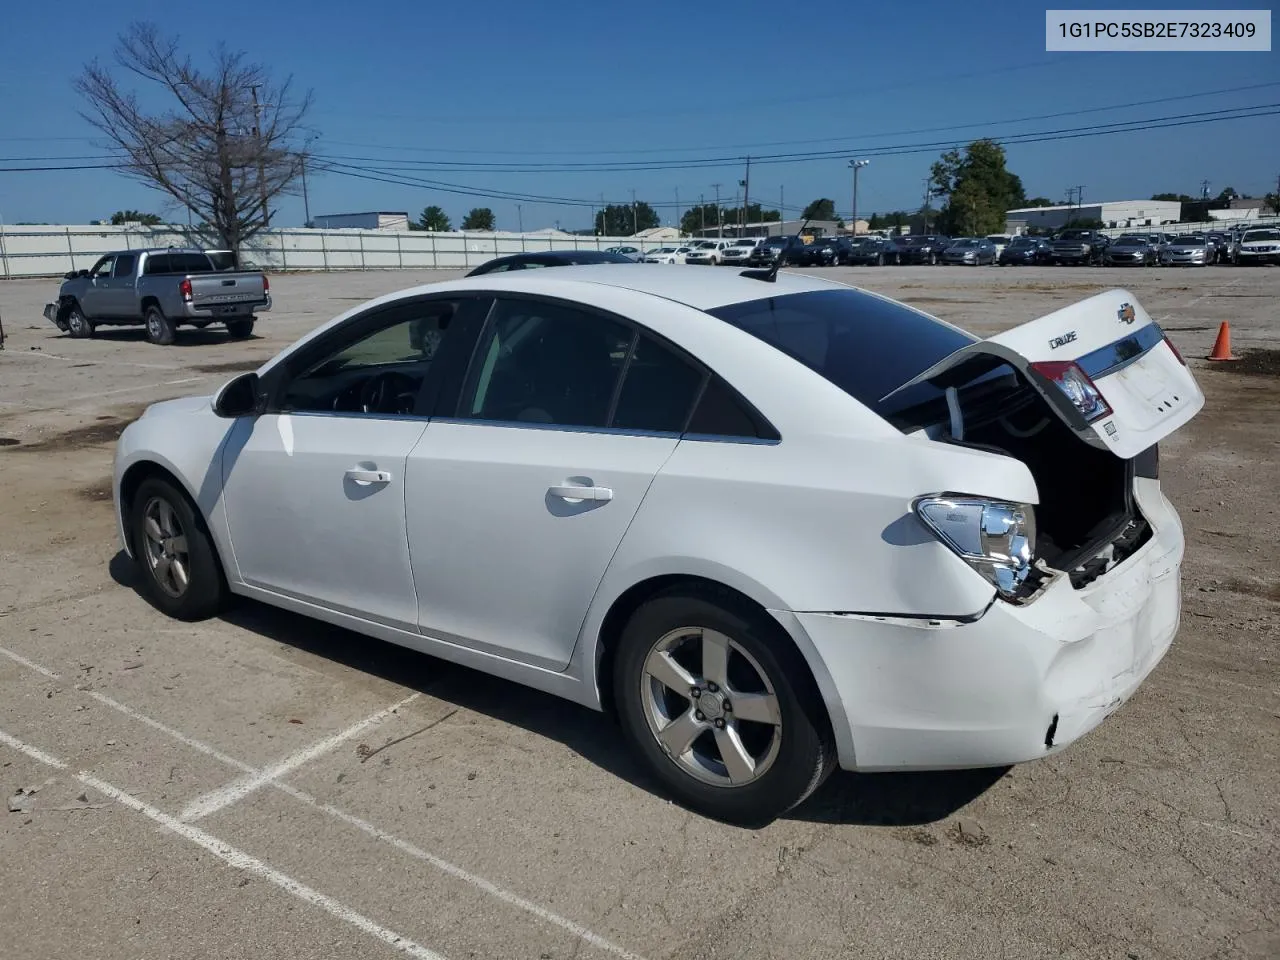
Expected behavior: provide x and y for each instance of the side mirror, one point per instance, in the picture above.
(239, 397)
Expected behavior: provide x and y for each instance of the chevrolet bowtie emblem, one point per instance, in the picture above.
(1126, 313)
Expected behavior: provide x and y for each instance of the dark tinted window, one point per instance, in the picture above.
(658, 391)
(124, 265)
(865, 345)
(178, 263)
(543, 363)
(721, 414)
(103, 267)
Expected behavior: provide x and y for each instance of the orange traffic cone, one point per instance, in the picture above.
(1222, 346)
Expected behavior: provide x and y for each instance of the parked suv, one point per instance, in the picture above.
(927, 249)
(1079, 247)
(739, 251)
(707, 252)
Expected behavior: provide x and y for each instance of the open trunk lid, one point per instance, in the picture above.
(1103, 365)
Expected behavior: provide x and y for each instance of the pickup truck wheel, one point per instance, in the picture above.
(239, 329)
(160, 329)
(78, 325)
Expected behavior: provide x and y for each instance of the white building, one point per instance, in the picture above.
(1118, 213)
(379, 220)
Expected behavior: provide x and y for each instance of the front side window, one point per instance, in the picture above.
(102, 269)
(381, 370)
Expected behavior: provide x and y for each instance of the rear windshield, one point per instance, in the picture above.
(866, 346)
(178, 263)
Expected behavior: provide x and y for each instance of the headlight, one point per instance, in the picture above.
(995, 537)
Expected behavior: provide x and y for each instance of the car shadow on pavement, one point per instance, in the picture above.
(876, 799)
(183, 336)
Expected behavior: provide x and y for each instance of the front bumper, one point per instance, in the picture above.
(930, 695)
(1246, 256)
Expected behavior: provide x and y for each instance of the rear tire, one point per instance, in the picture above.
(160, 329)
(78, 325)
(240, 329)
(793, 749)
(178, 569)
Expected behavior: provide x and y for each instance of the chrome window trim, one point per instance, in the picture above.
(611, 431)
(1107, 360)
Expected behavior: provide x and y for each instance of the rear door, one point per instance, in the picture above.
(517, 502)
(1104, 366)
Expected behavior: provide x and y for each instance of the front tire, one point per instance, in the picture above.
(178, 569)
(721, 707)
(160, 329)
(240, 329)
(78, 325)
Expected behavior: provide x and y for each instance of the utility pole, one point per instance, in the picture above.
(856, 165)
(257, 136)
(746, 199)
(782, 207)
(1079, 201)
(520, 217)
(677, 209)
(719, 218)
(635, 217)
(306, 201)
(702, 205)
(924, 210)
(1204, 189)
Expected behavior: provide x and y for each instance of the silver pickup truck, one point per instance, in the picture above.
(161, 289)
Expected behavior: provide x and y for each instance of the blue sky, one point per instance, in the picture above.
(563, 82)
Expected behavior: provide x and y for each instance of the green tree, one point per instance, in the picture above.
(977, 187)
(695, 218)
(1040, 202)
(820, 209)
(1084, 223)
(433, 218)
(1173, 197)
(755, 214)
(625, 219)
(479, 218)
(133, 216)
(1273, 201)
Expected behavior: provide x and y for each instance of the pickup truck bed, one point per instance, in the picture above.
(162, 290)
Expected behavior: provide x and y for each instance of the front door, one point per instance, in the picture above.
(315, 487)
(95, 301)
(121, 297)
(518, 503)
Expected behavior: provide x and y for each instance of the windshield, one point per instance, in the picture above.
(1190, 241)
(965, 243)
(1131, 242)
(1253, 236)
(1022, 242)
(865, 345)
(1074, 235)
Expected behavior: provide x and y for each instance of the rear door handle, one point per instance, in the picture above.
(368, 476)
(581, 493)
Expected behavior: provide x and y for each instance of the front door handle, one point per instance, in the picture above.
(581, 493)
(368, 476)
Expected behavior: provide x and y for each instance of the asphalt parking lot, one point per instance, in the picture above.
(262, 785)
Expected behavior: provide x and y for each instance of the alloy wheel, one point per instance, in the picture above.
(166, 547)
(711, 707)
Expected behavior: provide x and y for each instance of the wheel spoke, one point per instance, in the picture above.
(163, 569)
(678, 735)
(153, 529)
(178, 544)
(178, 568)
(715, 657)
(663, 668)
(737, 762)
(167, 521)
(760, 707)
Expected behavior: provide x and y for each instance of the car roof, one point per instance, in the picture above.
(699, 289)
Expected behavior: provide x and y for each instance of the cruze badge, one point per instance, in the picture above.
(1126, 313)
(1063, 340)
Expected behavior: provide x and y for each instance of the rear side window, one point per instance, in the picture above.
(124, 265)
(866, 346)
(658, 391)
(721, 414)
(178, 263)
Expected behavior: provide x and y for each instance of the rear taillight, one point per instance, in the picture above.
(184, 288)
(1076, 386)
(266, 284)
(1176, 352)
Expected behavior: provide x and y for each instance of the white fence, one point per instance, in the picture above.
(46, 251)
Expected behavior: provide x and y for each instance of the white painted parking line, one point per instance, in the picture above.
(232, 856)
(123, 390)
(42, 355)
(236, 790)
(24, 662)
(404, 846)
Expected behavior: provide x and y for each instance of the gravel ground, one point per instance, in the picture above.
(497, 822)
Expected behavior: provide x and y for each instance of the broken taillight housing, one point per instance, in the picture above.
(995, 537)
(184, 288)
(1176, 352)
(1076, 386)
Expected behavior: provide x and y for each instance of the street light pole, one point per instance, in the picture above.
(635, 217)
(719, 218)
(520, 216)
(856, 165)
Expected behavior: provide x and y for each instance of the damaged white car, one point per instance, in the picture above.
(774, 523)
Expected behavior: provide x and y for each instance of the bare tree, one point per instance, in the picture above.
(225, 148)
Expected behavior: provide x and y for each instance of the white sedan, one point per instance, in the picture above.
(774, 523)
(667, 255)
